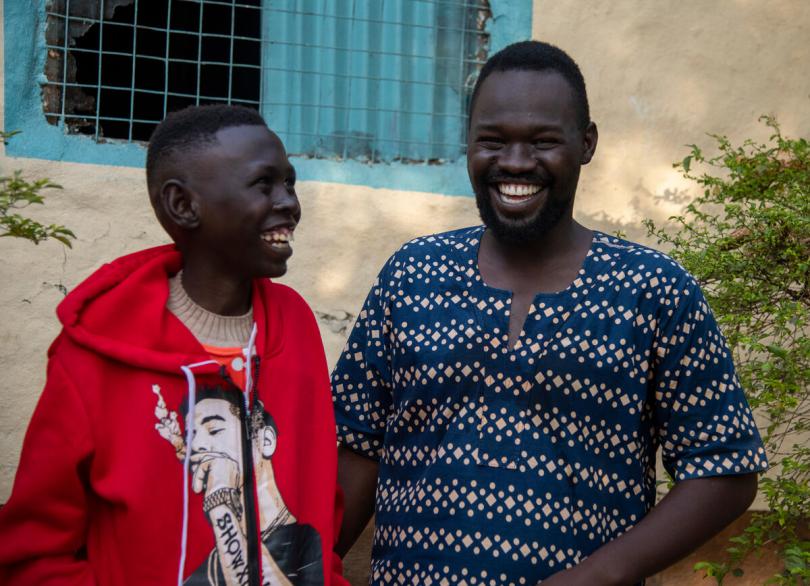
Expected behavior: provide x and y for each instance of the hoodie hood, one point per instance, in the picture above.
(146, 334)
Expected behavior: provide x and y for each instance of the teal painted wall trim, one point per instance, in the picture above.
(24, 39)
(24, 66)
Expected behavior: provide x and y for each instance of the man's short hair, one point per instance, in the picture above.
(192, 128)
(538, 56)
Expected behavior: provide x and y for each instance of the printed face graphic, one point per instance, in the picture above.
(212, 418)
(216, 431)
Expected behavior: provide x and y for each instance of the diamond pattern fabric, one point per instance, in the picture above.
(504, 466)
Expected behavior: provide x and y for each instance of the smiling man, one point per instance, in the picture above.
(186, 352)
(506, 387)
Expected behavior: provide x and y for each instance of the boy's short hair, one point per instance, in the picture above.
(538, 56)
(189, 129)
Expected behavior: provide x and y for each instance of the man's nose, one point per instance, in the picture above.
(517, 158)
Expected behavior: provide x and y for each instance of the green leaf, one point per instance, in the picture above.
(16, 194)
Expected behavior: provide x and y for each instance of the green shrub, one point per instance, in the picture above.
(747, 241)
(16, 194)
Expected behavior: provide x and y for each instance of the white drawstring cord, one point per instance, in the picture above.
(192, 404)
(248, 352)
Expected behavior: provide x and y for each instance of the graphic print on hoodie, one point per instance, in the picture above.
(229, 443)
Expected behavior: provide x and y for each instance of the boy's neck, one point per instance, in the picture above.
(215, 293)
(209, 328)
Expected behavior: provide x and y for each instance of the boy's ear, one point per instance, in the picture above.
(179, 204)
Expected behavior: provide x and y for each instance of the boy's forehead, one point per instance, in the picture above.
(245, 137)
(233, 145)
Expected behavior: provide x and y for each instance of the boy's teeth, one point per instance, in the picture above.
(517, 189)
(277, 237)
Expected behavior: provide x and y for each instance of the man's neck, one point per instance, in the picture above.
(547, 265)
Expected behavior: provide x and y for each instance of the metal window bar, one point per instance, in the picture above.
(475, 30)
(199, 48)
(166, 54)
(132, 82)
(398, 95)
(100, 67)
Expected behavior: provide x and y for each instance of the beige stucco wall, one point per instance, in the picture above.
(659, 75)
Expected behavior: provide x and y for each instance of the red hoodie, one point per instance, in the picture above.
(106, 491)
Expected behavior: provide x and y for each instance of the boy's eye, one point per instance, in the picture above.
(489, 142)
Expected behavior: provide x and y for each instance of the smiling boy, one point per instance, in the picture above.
(169, 444)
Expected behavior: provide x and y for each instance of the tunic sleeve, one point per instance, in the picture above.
(704, 423)
(361, 381)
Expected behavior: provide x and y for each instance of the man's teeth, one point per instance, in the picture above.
(277, 237)
(517, 189)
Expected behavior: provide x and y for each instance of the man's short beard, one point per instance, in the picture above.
(520, 232)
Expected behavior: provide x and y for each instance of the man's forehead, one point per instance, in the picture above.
(526, 91)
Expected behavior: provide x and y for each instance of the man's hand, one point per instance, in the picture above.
(214, 470)
(357, 476)
(577, 576)
(694, 511)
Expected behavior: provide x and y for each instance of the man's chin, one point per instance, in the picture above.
(509, 230)
(516, 232)
(519, 231)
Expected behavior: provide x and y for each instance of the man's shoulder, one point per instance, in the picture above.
(625, 256)
(443, 243)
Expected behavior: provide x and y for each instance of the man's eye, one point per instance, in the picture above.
(546, 143)
(289, 183)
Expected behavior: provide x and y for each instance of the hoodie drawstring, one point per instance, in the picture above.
(192, 403)
(248, 352)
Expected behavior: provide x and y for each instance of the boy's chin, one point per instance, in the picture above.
(274, 272)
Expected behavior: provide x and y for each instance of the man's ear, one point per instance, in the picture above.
(179, 204)
(590, 137)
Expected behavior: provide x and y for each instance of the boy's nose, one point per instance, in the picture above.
(287, 203)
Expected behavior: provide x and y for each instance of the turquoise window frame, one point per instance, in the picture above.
(24, 68)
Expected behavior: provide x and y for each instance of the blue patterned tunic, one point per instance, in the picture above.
(504, 466)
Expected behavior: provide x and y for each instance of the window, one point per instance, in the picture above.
(373, 80)
(115, 68)
(361, 91)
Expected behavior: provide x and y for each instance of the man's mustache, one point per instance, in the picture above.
(501, 177)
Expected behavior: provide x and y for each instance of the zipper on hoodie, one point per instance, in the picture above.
(251, 522)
